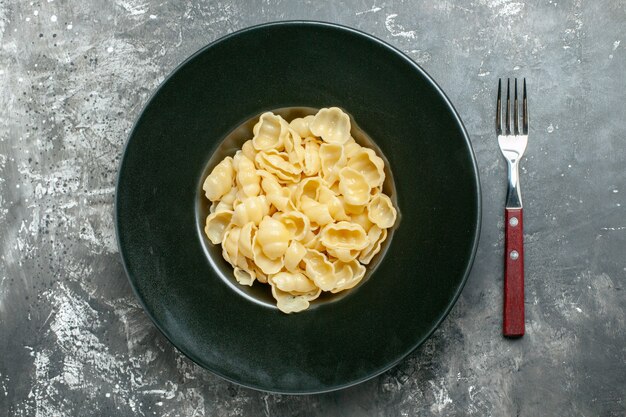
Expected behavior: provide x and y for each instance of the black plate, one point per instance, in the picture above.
(416, 283)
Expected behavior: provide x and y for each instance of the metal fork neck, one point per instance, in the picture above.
(513, 196)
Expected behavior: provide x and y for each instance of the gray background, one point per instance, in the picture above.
(75, 74)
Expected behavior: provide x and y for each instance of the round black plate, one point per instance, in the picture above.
(415, 285)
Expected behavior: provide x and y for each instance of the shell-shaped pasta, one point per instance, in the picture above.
(294, 148)
(230, 248)
(244, 276)
(246, 238)
(301, 126)
(296, 223)
(344, 235)
(351, 148)
(293, 256)
(354, 187)
(348, 275)
(248, 150)
(381, 211)
(376, 236)
(332, 159)
(278, 164)
(247, 178)
(312, 163)
(316, 212)
(319, 269)
(251, 209)
(226, 202)
(216, 224)
(220, 180)
(260, 275)
(266, 265)
(344, 255)
(293, 303)
(312, 241)
(308, 187)
(273, 237)
(293, 282)
(332, 125)
(362, 220)
(269, 132)
(335, 206)
(370, 165)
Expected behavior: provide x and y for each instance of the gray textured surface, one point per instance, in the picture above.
(73, 340)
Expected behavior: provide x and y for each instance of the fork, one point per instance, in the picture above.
(512, 145)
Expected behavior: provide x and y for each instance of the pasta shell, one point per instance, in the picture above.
(317, 213)
(344, 255)
(370, 165)
(351, 148)
(344, 235)
(293, 282)
(278, 164)
(319, 269)
(312, 163)
(230, 246)
(362, 219)
(381, 211)
(332, 125)
(251, 209)
(244, 276)
(248, 150)
(293, 303)
(335, 206)
(273, 237)
(301, 126)
(332, 159)
(246, 237)
(269, 132)
(266, 265)
(296, 223)
(294, 148)
(247, 178)
(220, 180)
(354, 187)
(293, 256)
(376, 236)
(216, 224)
(348, 275)
(308, 187)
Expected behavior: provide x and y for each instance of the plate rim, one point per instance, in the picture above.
(474, 165)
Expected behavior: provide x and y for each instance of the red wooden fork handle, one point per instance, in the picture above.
(513, 323)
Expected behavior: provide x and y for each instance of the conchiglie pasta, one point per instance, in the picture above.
(269, 132)
(247, 177)
(376, 236)
(332, 158)
(273, 237)
(302, 126)
(300, 207)
(251, 209)
(319, 269)
(370, 165)
(216, 225)
(332, 125)
(278, 164)
(354, 187)
(220, 180)
(381, 211)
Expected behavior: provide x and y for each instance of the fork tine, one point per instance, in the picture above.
(524, 112)
(515, 114)
(499, 109)
(507, 120)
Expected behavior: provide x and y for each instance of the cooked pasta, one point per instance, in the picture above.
(300, 207)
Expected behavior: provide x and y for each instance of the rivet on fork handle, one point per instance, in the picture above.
(513, 144)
